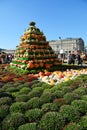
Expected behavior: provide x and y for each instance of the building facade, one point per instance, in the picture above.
(8, 51)
(67, 45)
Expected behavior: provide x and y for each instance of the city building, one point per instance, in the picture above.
(8, 51)
(67, 45)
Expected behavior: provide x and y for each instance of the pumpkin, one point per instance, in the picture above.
(47, 66)
(41, 64)
(30, 65)
(36, 65)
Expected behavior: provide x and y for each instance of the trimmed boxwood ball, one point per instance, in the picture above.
(47, 90)
(45, 85)
(38, 89)
(84, 97)
(16, 83)
(11, 89)
(83, 123)
(47, 97)
(20, 86)
(49, 107)
(4, 111)
(58, 94)
(22, 98)
(46, 107)
(1, 90)
(15, 94)
(7, 85)
(13, 121)
(69, 97)
(66, 89)
(33, 115)
(59, 101)
(24, 90)
(34, 93)
(72, 126)
(80, 91)
(55, 88)
(69, 113)
(5, 94)
(18, 107)
(34, 102)
(37, 84)
(80, 105)
(27, 84)
(28, 126)
(76, 84)
(52, 121)
(5, 100)
(62, 88)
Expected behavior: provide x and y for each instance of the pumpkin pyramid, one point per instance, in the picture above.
(34, 51)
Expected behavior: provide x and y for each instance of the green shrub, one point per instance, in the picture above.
(72, 126)
(84, 97)
(24, 90)
(16, 83)
(7, 85)
(49, 107)
(58, 94)
(15, 94)
(39, 84)
(20, 86)
(22, 98)
(11, 89)
(47, 97)
(28, 126)
(34, 93)
(13, 121)
(55, 88)
(80, 91)
(83, 123)
(69, 97)
(76, 84)
(69, 113)
(47, 90)
(38, 89)
(4, 110)
(80, 105)
(45, 85)
(27, 84)
(34, 102)
(35, 82)
(33, 114)
(66, 89)
(52, 121)
(1, 90)
(59, 101)
(5, 94)
(67, 83)
(62, 88)
(5, 100)
(18, 107)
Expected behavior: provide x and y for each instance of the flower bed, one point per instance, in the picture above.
(26, 102)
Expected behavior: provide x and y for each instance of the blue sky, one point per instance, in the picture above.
(56, 18)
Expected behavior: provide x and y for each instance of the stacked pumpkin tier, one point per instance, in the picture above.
(34, 51)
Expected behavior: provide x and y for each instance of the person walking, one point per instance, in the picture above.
(79, 59)
(3, 56)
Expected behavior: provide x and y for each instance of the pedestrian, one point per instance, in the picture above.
(79, 59)
(3, 57)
